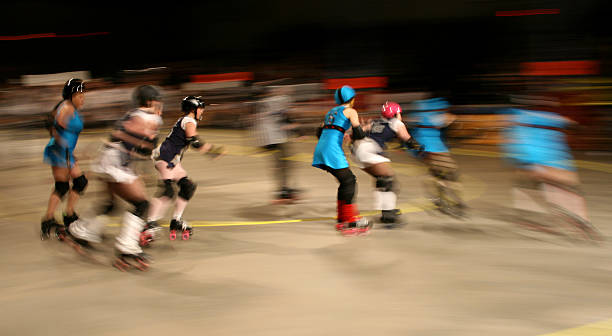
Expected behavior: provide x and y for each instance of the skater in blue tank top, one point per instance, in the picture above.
(329, 156)
(546, 179)
(428, 117)
(64, 129)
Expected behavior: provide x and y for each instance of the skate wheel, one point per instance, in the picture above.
(348, 232)
(60, 234)
(145, 239)
(141, 264)
(121, 265)
(339, 227)
(173, 235)
(185, 235)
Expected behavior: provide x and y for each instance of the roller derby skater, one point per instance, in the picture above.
(168, 157)
(134, 136)
(429, 116)
(368, 154)
(329, 156)
(273, 128)
(65, 125)
(546, 180)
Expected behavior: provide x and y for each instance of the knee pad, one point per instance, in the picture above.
(61, 188)
(79, 184)
(187, 188)
(140, 208)
(384, 183)
(165, 189)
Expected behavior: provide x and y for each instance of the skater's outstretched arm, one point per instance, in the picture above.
(200, 145)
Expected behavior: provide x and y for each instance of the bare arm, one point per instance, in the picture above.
(402, 132)
(62, 119)
(352, 115)
(191, 131)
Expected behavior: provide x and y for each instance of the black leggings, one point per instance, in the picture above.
(348, 184)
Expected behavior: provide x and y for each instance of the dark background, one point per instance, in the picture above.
(409, 41)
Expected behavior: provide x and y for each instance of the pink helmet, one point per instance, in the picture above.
(390, 109)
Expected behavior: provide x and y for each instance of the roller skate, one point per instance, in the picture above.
(449, 203)
(580, 226)
(70, 219)
(61, 235)
(359, 226)
(353, 224)
(51, 224)
(286, 196)
(180, 225)
(340, 216)
(390, 218)
(126, 261)
(149, 234)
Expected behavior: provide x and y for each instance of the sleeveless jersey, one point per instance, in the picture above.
(329, 148)
(384, 130)
(176, 142)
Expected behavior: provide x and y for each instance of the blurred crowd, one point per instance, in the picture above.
(480, 110)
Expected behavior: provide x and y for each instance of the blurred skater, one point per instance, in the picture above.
(546, 178)
(369, 154)
(65, 126)
(134, 136)
(329, 156)
(168, 159)
(273, 128)
(427, 119)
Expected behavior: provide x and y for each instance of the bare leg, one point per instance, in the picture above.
(73, 196)
(60, 174)
(179, 207)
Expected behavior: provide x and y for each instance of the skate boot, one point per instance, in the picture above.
(51, 224)
(149, 233)
(354, 224)
(358, 226)
(283, 196)
(182, 226)
(70, 219)
(391, 218)
(125, 261)
(294, 194)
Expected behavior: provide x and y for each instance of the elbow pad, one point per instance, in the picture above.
(358, 133)
(195, 142)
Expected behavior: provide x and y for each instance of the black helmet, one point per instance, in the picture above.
(192, 103)
(72, 86)
(146, 93)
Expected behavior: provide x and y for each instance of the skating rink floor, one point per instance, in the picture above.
(253, 268)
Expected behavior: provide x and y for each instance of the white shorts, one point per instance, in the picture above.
(110, 165)
(365, 153)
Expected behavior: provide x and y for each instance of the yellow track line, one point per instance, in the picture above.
(603, 328)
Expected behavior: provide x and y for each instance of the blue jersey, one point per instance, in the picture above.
(537, 138)
(60, 154)
(328, 152)
(383, 130)
(427, 130)
(176, 143)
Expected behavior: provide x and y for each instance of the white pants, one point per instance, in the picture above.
(365, 153)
